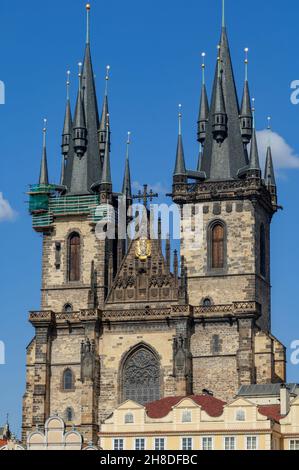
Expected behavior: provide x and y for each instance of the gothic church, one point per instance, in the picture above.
(128, 319)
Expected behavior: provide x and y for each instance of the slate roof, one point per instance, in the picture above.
(222, 162)
(266, 390)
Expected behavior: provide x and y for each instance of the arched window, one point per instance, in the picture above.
(217, 246)
(207, 302)
(68, 380)
(69, 414)
(141, 377)
(263, 251)
(68, 308)
(74, 257)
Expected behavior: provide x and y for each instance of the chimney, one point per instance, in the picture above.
(284, 399)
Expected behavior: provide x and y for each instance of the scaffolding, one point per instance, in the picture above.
(46, 204)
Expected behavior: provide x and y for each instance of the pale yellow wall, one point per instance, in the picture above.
(173, 429)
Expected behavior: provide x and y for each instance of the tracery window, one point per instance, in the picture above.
(141, 377)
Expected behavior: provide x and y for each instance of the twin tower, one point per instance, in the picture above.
(126, 319)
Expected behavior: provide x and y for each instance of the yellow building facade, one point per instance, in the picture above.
(201, 423)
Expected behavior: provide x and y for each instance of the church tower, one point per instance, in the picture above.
(125, 318)
(229, 205)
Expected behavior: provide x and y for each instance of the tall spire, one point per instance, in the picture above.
(219, 115)
(203, 108)
(254, 163)
(83, 169)
(67, 129)
(80, 131)
(103, 136)
(44, 176)
(246, 111)
(106, 173)
(127, 187)
(223, 162)
(180, 166)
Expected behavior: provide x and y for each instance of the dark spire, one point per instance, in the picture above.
(67, 131)
(269, 167)
(219, 112)
(254, 161)
(168, 253)
(106, 173)
(269, 170)
(246, 111)
(68, 122)
(84, 169)
(222, 162)
(127, 187)
(203, 108)
(180, 166)
(103, 137)
(44, 176)
(80, 131)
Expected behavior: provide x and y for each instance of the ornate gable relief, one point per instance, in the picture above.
(144, 276)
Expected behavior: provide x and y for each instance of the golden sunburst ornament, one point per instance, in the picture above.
(143, 249)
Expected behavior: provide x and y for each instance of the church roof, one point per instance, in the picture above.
(222, 162)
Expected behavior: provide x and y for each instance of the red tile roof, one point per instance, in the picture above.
(159, 409)
(3, 442)
(271, 411)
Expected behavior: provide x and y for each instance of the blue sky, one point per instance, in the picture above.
(154, 49)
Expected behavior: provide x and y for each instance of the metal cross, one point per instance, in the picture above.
(145, 196)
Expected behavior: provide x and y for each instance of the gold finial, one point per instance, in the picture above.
(269, 128)
(88, 7)
(129, 138)
(107, 78)
(246, 50)
(269, 118)
(68, 82)
(180, 119)
(203, 66)
(80, 73)
(45, 132)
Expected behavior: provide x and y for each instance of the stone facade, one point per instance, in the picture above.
(205, 328)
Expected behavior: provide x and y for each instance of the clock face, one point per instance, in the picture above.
(143, 249)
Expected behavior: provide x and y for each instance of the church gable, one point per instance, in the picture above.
(144, 276)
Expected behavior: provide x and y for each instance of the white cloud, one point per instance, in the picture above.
(6, 211)
(284, 156)
(159, 188)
